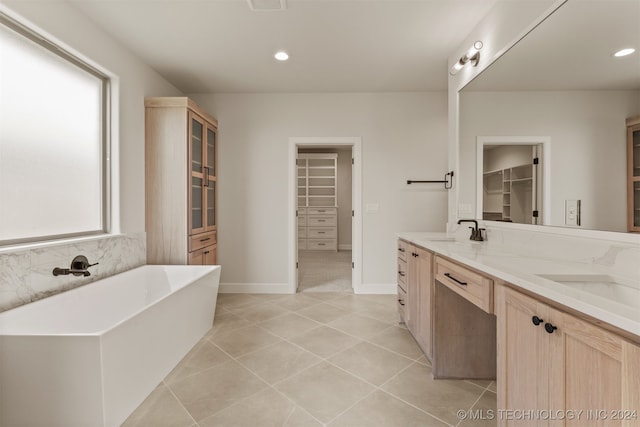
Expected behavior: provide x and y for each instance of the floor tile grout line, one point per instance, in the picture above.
(472, 405)
(180, 402)
(281, 339)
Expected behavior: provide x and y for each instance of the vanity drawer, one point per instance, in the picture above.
(322, 244)
(472, 286)
(402, 272)
(402, 301)
(201, 240)
(322, 232)
(322, 211)
(402, 250)
(321, 221)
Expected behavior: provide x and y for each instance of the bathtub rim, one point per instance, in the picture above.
(206, 269)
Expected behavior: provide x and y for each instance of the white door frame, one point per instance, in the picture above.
(356, 203)
(545, 141)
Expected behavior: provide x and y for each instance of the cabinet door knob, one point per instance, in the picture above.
(536, 320)
(549, 328)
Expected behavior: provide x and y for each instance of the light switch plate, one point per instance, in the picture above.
(572, 212)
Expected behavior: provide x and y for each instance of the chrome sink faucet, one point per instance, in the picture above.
(476, 233)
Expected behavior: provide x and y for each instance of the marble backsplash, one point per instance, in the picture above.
(26, 275)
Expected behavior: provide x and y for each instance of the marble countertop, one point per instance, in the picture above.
(616, 304)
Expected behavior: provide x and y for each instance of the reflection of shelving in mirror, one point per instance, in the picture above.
(633, 174)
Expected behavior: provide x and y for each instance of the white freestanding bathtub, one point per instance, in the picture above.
(88, 357)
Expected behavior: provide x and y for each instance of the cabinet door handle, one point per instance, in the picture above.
(401, 273)
(206, 252)
(401, 302)
(536, 320)
(549, 328)
(401, 250)
(455, 280)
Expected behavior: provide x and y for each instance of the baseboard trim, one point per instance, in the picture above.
(377, 288)
(344, 247)
(253, 288)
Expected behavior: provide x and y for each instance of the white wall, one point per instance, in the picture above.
(404, 137)
(588, 145)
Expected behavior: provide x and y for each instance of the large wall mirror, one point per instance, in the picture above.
(562, 89)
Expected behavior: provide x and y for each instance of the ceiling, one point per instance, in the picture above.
(572, 50)
(222, 46)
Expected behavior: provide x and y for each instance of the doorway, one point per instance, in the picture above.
(325, 223)
(512, 179)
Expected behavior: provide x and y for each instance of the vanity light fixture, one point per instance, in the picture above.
(281, 55)
(624, 52)
(471, 57)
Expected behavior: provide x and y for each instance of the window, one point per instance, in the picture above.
(53, 148)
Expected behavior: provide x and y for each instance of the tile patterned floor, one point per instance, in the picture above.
(315, 359)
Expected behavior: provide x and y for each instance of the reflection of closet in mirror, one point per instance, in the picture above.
(510, 187)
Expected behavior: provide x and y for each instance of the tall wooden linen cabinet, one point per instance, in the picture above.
(181, 182)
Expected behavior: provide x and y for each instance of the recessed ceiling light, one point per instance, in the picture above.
(281, 56)
(624, 52)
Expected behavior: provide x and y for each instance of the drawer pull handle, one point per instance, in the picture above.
(206, 252)
(320, 244)
(401, 302)
(455, 280)
(204, 240)
(321, 232)
(321, 220)
(536, 320)
(401, 273)
(401, 250)
(549, 328)
(321, 210)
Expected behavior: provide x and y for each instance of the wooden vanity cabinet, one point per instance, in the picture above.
(415, 266)
(181, 179)
(551, 360)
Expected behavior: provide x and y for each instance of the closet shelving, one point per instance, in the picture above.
(510, 191)
(317, 201)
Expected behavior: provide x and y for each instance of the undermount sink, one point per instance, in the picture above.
(601, 285)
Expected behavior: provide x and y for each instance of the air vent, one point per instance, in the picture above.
(267, 5)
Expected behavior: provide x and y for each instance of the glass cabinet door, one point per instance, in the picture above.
(633, 198)
(202, 158)
(210, 179)
(633, 174)
(198, 180)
